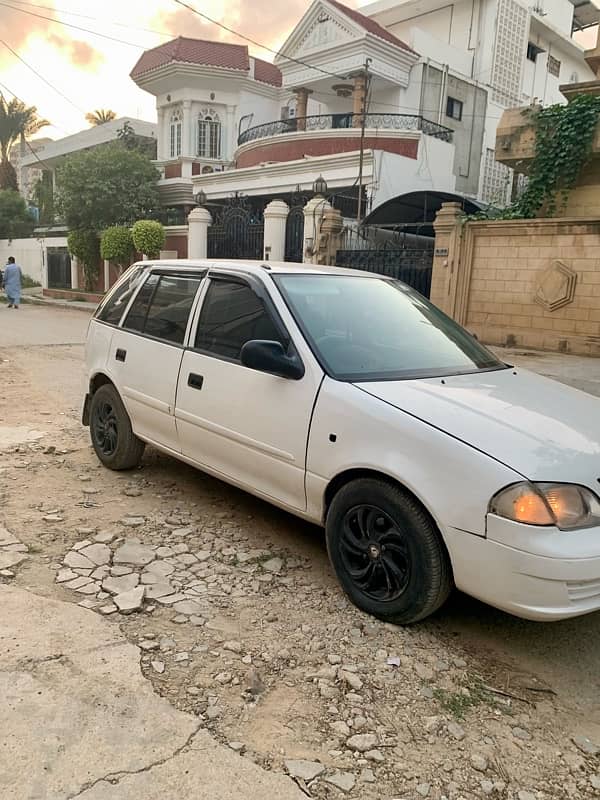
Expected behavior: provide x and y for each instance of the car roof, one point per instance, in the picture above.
(254, 267)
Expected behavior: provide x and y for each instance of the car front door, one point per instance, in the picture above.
(145, 354)
(248, 426)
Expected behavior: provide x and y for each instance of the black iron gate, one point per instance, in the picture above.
(294, 229)
(59, 268)
(409, 261)
(238, 231)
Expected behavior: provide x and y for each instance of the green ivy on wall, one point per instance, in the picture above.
(563, 145)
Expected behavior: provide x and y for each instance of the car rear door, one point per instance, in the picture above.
(248, 426)
(146, 351)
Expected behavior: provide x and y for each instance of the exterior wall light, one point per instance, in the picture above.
(320, 186)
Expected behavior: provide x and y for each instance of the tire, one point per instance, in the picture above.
(113, 439)
(386, 552)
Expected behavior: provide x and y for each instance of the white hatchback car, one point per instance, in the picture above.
(348, 399)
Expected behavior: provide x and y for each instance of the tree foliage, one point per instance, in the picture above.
(43, 196)
(106, 186)
(15, 220)
(84, 244)
(99, 116)
(116, 245)
(16, 120)
(133, 141)
(148, 237)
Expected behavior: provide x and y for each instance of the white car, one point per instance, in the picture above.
(347, 399)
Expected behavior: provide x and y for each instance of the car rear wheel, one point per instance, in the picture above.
(113, 439)
(386, 552)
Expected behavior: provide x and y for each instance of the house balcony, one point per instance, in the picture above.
(329, 134)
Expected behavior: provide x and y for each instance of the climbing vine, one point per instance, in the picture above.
(563, 145)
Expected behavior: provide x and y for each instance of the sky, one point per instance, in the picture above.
(65, 42)
(93, 72)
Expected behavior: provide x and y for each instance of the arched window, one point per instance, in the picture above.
(175, 133)
(209, 134)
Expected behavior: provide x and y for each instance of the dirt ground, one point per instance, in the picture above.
(275, 662)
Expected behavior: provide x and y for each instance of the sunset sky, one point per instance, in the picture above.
(93, 71)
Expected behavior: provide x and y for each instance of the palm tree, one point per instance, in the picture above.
(16, 121)
(100, 116)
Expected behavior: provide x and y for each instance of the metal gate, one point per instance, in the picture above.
(59, 268)
(294, 229)
(238, 231)
(394, 257)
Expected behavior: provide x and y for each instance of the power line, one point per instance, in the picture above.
(41, 77)
(258, 44)
(70, 25)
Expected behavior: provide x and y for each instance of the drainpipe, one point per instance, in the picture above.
(443, 92)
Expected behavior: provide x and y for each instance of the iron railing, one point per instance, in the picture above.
(325, 122)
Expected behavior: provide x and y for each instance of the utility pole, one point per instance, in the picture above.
(363, 122)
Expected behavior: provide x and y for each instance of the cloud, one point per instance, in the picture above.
(18, 29)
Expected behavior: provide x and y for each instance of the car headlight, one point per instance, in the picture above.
(564, 505)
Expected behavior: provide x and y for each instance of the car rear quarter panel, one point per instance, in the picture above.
(452, 480)
(97, 348)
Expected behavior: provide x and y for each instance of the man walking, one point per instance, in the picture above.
(12, 283)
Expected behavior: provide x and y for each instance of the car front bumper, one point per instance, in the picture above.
(532, 572)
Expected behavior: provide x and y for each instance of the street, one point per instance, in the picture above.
(261, 691)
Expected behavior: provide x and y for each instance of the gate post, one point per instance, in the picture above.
(74, 272)
(275, 214)
(330, 238)
(199, 220)
(446, 257)
(313, 216)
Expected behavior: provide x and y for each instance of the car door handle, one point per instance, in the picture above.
(121, 355)
(195, 381)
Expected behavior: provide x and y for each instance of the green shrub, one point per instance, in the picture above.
(85, 246)
(148, 237)
(116, 245)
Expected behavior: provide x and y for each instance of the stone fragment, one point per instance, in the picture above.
(233, 646)
(479, 762)
(133, 522)
(148, 644)
(161, 568)
(108, 609)
(424, 672)
(90, 588)
(98, 553)
(305, 770)
(187, 607)
(89, 603)
(423, 789)
(156, 590)
(342, 780)
(135, 553)
(237, 747)
(362, 742)
(119, 570)
(168, 600)
(7, 573)
(353, 680)
(224, 678)
(104, 537)
(198, 621)
(525, 795)
(64, 575)
(181, 657)
(90, 490)
(273, 565)
(8, 560)
(456, 731)
(375, 755)
(132, 492)
(73, 559)
(6, 538)
(100, 573)
(340, 728)
(521, 733)
(203, 555)
(131, 600)
(585, 745)
(52, 518)
(487, 787)
(120, 585)
(367, 776)
(158, 666)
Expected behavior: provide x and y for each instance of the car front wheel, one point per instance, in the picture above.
(386, 552)
(113, 439)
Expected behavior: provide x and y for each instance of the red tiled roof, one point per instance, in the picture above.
(193, 51)
(370, 25)
(265, 72)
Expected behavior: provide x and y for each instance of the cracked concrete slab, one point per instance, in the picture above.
(77, 713)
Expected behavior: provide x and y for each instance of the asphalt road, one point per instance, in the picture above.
(563, 655)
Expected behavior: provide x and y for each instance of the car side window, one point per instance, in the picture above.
(232, 314)
(163, 306)
(114, 306)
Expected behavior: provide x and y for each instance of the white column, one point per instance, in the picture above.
(161, 134)
(186, 133)
(313, 216)
(199, 220)
(229, 144)
(74, 272)
(106, 275)
(276, 214)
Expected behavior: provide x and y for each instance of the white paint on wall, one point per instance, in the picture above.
(31, 255)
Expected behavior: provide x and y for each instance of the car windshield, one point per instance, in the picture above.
(378, 329)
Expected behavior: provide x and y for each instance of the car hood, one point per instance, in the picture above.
(542, 429)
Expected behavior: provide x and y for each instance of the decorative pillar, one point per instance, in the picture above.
(186, 132)
(228, 146)
(330, 236)
(444, 276)
(358, 98)
(161, 134)
(301, 106)
(199, 220)
(106, 275)
(313, 216)
(74, 272)
(276, 214)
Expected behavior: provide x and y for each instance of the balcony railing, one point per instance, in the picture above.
(325, 122)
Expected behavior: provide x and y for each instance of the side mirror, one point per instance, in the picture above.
(266, 356)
